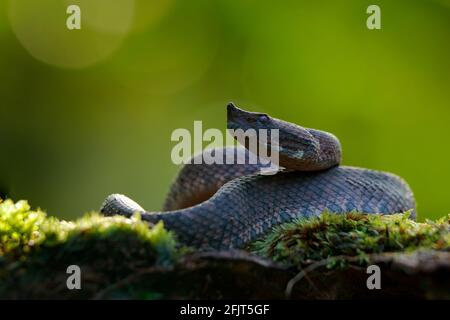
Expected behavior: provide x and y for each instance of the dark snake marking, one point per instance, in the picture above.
(222, 206)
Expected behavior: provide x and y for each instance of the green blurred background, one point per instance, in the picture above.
(89, 112)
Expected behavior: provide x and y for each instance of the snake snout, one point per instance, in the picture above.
(233, 112)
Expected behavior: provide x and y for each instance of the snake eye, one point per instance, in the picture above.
(263, 118)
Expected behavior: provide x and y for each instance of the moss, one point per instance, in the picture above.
(33, 245)
(125, 258)
(354, 235)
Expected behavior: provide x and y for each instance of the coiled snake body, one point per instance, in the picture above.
(223, 206)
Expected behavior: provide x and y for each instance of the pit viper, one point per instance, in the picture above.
(225, 206)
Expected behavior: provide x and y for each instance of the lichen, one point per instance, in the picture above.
(354, 235)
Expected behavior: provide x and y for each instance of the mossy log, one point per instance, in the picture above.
(238, 275)
(319, 258)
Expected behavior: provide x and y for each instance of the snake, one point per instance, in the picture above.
(229, 204)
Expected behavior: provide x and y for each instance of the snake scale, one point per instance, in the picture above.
(225, 206)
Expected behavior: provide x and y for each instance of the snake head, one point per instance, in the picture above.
(297, 147)
(245, 120)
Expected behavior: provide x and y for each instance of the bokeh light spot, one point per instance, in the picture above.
(41, 28)
(149, 13)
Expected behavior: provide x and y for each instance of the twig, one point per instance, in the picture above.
(303, 273)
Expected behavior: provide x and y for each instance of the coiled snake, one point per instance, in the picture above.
(224, 206)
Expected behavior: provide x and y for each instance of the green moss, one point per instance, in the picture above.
(34, 246)
(351, 235)
(23, 231)
(125, 258)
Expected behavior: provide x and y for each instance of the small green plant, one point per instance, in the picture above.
(305, 241)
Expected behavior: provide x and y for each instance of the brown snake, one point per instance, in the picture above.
(224, 206)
